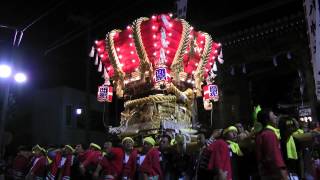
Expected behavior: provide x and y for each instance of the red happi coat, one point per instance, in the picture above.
(151, 164)
(38, 168)
(66, 171)
(114, 164)
(268, 153)
(82, 156)
(220, 157)
(130, 167)
(91, 158)
(20, 166)
(54, 166)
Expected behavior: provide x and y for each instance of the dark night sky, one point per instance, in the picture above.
(54, 50)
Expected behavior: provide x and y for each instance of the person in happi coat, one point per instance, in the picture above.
(230, 135)
(148, 161)
(129, 161)
(21, 163)
(79, 157)
(219, 164)
(91, 160)
(111, 163)
(39, 164)
(68, 154)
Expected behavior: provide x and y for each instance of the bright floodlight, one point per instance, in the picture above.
(20, 77)
(5, 71)
(78, 111)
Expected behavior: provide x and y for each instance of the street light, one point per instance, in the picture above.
(5, 71)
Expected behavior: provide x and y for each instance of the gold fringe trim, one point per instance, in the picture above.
(199, 75)
(177, 63)
(145, 64)
(114, 59)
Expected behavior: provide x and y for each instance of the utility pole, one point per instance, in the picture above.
(5, 103)
(3, 117)
(87, 103)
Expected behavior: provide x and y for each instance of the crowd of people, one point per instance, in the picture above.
(263, 152)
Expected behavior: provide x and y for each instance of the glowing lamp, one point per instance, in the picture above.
(20, 78)
(78, 111)
(105, 93)
(210, 92)
(5, 71)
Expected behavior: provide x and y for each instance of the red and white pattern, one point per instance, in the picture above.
(161, 35)
(105, 93)
(210, 92)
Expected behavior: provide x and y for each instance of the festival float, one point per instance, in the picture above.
(158, 65)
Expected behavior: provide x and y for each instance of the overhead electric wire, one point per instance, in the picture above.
(20, 33)
(7, 27)
(91, 27)
(240, 16)
(11, 28)
(42, 16)
(73, 32)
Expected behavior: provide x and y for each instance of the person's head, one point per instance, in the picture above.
(148, 143)
(127, 143)
(51, 147)
(107, 146)
(230, 133)
(304, 125)
(68, 149)
(296, 123)
(94, 147)
(267, 117)
(216, 133)
(287, 126)
(79, 148)
(239, 127)
(38, 150)
(24, 151)
(165, 141)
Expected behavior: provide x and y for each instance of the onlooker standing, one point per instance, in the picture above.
(242, 133)
(270, 162)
